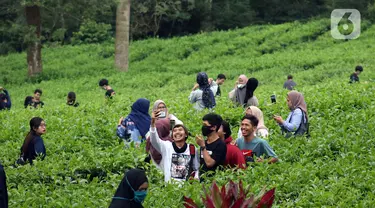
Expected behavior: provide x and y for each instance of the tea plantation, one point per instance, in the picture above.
(85, 161)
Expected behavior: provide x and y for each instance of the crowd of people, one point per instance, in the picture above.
(166, 135)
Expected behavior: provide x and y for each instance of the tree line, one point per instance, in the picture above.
(86, 21)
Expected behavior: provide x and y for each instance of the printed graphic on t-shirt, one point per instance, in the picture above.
(248, 154)
(209, 152)
(180, 166)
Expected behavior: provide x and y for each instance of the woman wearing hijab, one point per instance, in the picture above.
(132, 190)
(297, 120)
(262, 130)
(238, 94)
(250, 99)
(162, 107)
(163, 130)
(203, 97)
(135, 126)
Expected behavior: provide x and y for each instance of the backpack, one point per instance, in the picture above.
(191, 173)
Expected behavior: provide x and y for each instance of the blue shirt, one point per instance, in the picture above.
(128, 131)
(258, 146)
(35, 148)
(293, 121)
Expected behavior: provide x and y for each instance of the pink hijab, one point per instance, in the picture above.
(255, 111)
(243, 77)
(297, 101)
(162, 128)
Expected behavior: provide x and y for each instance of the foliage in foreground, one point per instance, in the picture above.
(233, 195)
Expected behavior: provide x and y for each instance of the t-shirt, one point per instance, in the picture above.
(354, 78)
(257, 146)
(234, 157)
(175, 165)
(289, 84)
(109, 93)
(218, 151)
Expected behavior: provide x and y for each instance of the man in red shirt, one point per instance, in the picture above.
(234, 157)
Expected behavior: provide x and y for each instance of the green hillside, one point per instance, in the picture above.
(85, 160)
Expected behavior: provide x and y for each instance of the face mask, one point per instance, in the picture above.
(139, 196)
(240, 85)
(206, 130)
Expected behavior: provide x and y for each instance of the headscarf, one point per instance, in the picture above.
(163, 129)
(139, 115)
(243, 77)
(208, 97)
(297, 100)
(136, 178)
(157, 103)
(255, 111)
(251, 86)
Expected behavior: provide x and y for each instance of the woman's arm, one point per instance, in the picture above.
(293, 124)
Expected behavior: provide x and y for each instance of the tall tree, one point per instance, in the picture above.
(34, 50)
(122, 35)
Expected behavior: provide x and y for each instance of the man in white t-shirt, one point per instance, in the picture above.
(215, 85)
(179, 160)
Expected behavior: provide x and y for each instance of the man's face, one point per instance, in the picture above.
(179, 134)
(247, 128)
(37, 95)
(220, 81)
(211, 127)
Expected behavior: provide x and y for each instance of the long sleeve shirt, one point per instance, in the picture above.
(293, 121)
(176, 166)
(195, 98)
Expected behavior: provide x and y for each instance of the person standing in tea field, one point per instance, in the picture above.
(238, 94)
(35, 101)
(297, 120)
(132, 190)
(250, 145)
(103, 83)
(215, 85)
(250, 99)
(289, 84)
(5, 102)
(202, 96)
(354, 77)
(136, 125)
(262, 130)
(234, 157)
(3, 188)
(179, 161)
(33, 144)
(213, 150)
(71, 99)
(164, 113)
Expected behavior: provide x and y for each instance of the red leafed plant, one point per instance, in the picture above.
(233, 195)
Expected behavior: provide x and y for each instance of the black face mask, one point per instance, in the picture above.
(206, 130)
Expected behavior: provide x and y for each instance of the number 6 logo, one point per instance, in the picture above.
(345, 24)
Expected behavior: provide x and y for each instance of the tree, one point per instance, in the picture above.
(34, 50)
(122, 35)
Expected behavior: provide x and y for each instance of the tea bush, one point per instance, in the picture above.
(85, 161)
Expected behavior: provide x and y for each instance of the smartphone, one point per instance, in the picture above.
(273, 98)
(172, 123)
(162, 114)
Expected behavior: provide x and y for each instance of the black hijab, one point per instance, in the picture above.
(136, 178)
(251, 86)
(3, 189)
